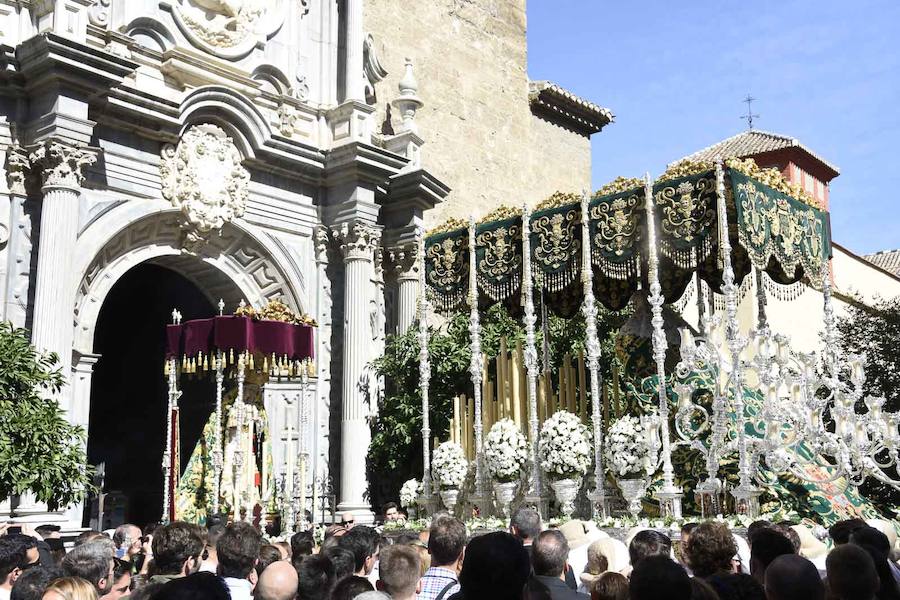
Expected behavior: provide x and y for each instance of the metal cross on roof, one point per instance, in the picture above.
(750, 115)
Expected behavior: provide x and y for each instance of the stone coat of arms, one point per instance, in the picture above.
(228, 28)
(204, 178)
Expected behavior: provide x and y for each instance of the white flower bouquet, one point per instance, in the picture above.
(505, 451)
(565, 449)
(449, 465)
(409, 491)
(628, 451)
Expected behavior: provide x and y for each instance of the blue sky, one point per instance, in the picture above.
(675, 72)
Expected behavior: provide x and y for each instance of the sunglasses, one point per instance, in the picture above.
(345, 523)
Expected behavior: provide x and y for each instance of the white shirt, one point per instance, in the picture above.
(5, 593)
(240, 589)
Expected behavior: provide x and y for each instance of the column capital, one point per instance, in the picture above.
(404, 261)
(61, 163)
(357, 240)
(18, 170)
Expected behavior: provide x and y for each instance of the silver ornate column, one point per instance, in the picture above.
(598, 496)
(358, 242)
(424, 373)
(61, 166)
(746, 494)
(171, 407)
(531, 359)
(217, 455)
(669, 495)
(475, 366)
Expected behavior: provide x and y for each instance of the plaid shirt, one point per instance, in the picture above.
(435, 580)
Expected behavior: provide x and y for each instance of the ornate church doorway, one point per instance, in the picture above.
(128, 389)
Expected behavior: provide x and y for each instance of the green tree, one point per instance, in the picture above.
(875, 331)
(40, 451)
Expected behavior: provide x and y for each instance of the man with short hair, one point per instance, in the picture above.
(767, 545)
(840, 531)
(176, 551)
(31, 583)
(851, 573)
(391, 512)
(446, 545)
(277, 582)
(316, 578)
(127, 538)
(549, 560)
(12, 560)
(791, 576)
(210, 562)
(348, 520)
(647, 543)
(657, 577)
(399, 571)
(342, 561)
(92, 561)
(525, 524)
(363, 542)
(238, 552)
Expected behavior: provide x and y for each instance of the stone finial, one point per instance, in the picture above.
(408, 102)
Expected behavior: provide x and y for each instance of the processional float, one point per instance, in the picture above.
(269, 344)
(711, 226)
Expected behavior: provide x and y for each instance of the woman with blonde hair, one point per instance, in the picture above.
(70, 588)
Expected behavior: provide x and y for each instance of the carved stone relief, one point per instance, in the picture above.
(228, 28)
(203, 177)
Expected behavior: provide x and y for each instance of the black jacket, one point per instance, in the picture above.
(558, 589)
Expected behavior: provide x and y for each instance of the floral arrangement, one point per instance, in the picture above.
(773, 178)
(449, 465)
(618, 185)
(409, 491)
(627, 451)
(505, 451)
(733, 521)
(557, 199)
(565, 449)
(686, 168)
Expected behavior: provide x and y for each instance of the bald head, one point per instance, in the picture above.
(277, 582)
(792, 576)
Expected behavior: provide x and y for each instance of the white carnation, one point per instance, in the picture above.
(564, 448)
(449, 465)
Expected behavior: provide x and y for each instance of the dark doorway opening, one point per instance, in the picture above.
(129, 389)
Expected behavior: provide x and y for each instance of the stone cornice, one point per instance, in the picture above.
(565, 107)
(358, 161)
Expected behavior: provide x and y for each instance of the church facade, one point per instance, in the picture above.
(260, 150)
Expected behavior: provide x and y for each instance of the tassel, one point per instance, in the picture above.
(266, 365)
(252, 367)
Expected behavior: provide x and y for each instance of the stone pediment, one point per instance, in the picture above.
(228, 29)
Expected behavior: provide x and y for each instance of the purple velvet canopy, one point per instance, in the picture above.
(239, 333)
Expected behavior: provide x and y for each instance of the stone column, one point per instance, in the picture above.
(60, 165)
(354, 83)
(406, 269)
(82, 373)
(18, 249)
(358, 242)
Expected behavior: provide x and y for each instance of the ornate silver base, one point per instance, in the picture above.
(746, 500)
(601, 503)
(670, 501)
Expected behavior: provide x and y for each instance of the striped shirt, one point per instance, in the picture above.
(435, 580)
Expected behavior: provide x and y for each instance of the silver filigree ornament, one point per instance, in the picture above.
(204, 178)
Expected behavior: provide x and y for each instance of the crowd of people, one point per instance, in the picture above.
(575, 561)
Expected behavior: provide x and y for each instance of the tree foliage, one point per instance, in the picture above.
(395, 453)
(40, 451)
(875, 331)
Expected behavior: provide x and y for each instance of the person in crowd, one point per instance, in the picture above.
(14, 560)
(373, 595)
(409, 539)
(278, 582)
(48, 531)
(348, 521)
(342, 561)
(177, 548)
(496, 567)
(647, 543)
(50, 534)
(268, 554)
(525, 524)
(700, 590)
(786, 529)
(196, 586)
(446, 545)
(70, 588)
(549, 560)
(657, 577)
(127, 538)
(399, 572)
(238, 551)
(755, 527)
(210, 557)
(351, 587)
(316, 578)
(363, 542)
(147, 591)
(878, 546)
(710, 549)
(121, 585)
(88, 536)
(609, 586)
(851, 573)
(92, 561)
(31, 584)
(766, 546)
(737, 586)
(678, 549)
(303, 544)
(391, 512)
(579, 535)
(285, 549)
(597, 565)
(840, 531)
(789, 576)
